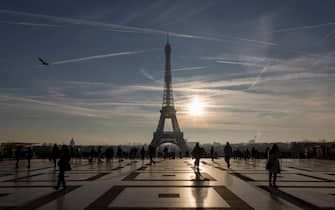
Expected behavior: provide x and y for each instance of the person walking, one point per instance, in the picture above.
(228, 151)
(196, 154)
(29, 156)
(273, 165)
(63, 165)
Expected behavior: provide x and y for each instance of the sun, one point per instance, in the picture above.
(196, 106)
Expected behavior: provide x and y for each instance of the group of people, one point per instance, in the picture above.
(272, 164)
(249, 154)
(19, 153)
(120, 154)
(63, 156)
(198, 152)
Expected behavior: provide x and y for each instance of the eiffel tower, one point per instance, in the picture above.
(168, 112)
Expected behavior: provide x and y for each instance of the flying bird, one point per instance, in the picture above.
(43, 62)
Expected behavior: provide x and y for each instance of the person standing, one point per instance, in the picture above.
(55, 154)
(166, 153)
(18, 155)
(63, 165)
(91, 157)
(108, 154)
(212, 153)
(228, 151)
(112, 153)
(266, 155)
(151, 154)
(196, 154)
(29, 156)
(273, 165)
(100, 155)
(142, 153)
(119, 153)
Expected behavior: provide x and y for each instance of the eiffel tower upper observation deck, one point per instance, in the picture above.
(168, 111)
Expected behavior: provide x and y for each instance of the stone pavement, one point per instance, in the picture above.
(169, 184)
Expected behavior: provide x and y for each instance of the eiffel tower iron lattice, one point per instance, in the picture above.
(168, 111)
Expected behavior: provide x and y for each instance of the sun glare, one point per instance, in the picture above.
(196, 107)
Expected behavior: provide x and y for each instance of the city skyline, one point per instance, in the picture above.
(263, 71)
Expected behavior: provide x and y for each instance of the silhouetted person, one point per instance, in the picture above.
(273, 165)
(109, 153)
(267, 150)
(99, 155)
(212, 153)
(119, 153)
(142, 153)
(29, 156)
(228, 151)
(196, 154)
(253, 153)
(63, 165)
(92, 152)
(18, 155)
(151, 154)
(238, 154)
(166, 153)
(246, 154)
(55, 154)
(72, 152)
(112, 153)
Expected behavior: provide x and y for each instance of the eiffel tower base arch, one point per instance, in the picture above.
(169, 137)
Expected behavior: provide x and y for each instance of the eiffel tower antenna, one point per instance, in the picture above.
(168, 111)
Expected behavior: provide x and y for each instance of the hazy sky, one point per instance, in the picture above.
(262, 69)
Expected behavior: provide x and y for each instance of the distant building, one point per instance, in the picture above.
(72, 143)
(7, 149)
(252, 141)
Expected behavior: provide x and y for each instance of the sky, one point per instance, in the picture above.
(262, 70)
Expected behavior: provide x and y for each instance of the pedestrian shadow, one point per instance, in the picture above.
(200, 189)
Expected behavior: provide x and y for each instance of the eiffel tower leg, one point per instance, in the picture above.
(175, 123)
(161, 123)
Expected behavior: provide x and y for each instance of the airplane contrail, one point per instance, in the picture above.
(123, 31)
(147, 75)
(329, 35)
(258, 78)
(75, 60)
(142, 29)
(156, 31)
(237, 63)
(304, 27)
(31, 24)
(190, 68)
